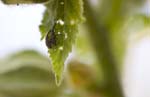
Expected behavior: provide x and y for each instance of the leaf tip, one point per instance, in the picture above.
(58, 79)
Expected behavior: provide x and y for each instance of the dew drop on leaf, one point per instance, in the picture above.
(62, 3)
(61, 48)
(61, 22)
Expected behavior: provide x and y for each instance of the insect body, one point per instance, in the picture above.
(51, 38)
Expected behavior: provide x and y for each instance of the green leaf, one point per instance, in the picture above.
(60, 23)
(46, 23)
(23, 1)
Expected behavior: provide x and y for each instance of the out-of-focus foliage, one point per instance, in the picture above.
(113, 15)
(28, 74)
(127, 30)
(99, 49)
(83, 77)
(113, 11)
(23, 1)
(137, 27)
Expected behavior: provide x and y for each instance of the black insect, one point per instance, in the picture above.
(51, 38)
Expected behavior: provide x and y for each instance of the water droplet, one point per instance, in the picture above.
(61, 48)
(72, 22)
(62, 3)
(61, 22)
(59, 33)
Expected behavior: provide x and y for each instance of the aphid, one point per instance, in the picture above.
(51, 38)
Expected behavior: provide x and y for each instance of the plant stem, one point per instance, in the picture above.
(99, 34)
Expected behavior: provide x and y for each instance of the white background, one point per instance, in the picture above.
(19, 28)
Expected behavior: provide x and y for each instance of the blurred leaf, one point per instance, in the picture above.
(24, 58)
(23, 1)
(134, 24)
(136, 27)
(28, 82)
(80, 74)
(115, 18)
(121, 32)
(117, 10)
(28, 77)
(60, 23)
(83, 78)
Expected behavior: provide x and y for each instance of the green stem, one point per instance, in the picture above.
(99, 34)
